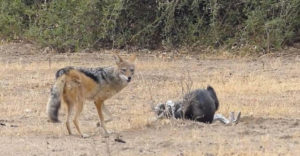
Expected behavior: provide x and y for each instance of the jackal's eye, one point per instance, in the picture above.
(123, 69)
(132, 70)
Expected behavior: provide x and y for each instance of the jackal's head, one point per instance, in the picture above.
(126, 68)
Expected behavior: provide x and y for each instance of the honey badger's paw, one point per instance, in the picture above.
(237, 118)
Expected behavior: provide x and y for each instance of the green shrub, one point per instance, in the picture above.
(12, 19)
(69, 25)
(135, 24)
(271, 24)
(66, 24)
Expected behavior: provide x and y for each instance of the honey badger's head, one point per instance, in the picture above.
(160, 110)
(169, 109)
(164, 110)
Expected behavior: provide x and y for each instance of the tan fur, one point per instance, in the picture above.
(76, 90)
(78, 87)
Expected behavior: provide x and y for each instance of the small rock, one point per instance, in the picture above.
(119, 140)
(28, 110)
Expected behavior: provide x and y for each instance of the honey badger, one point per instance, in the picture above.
(199, 105)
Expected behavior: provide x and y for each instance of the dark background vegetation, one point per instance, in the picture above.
(70, 25)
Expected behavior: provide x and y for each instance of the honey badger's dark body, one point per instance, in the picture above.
(200, 105)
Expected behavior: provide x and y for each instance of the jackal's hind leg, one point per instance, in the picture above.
(75, 121)
(69, 112)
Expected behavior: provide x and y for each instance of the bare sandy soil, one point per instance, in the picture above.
(265, 89)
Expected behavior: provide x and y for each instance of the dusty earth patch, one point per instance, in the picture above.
(266, 90)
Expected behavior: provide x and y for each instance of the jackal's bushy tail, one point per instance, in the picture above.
(55, 99)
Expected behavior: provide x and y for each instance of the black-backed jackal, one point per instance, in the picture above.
(74, 85)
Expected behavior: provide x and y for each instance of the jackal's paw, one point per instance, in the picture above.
(85, 136)
(98, 124)
(106, 134)
(108, 120)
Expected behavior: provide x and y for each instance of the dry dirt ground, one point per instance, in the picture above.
(265, 89)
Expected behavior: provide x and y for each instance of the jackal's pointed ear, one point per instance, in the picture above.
(132, 58)
(118, 59)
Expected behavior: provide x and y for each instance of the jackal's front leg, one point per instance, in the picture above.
(106, 111)
(99, 104)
